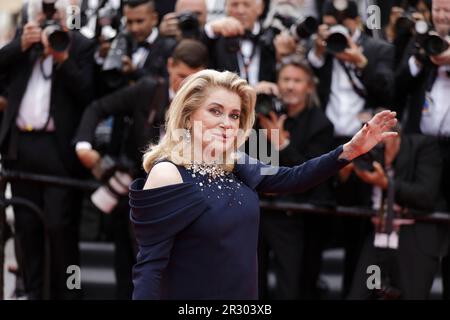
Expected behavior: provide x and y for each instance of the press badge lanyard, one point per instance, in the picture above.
(247, 61)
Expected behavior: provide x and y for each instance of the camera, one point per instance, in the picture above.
(116, 177)
(113, 65)
(188, 24)
(426, 41)
(302, 28)
(265, 103)
(365, 161)
(108, 23)
(337, 41)
(58, 38)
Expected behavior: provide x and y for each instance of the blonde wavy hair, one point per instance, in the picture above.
(188, 99)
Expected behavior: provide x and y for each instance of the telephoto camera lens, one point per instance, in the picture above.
(434, 45)
(337, 40)
(306, 28)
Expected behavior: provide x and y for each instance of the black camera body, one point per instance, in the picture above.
(299, 28)
(58, 38)
(188, 24)
(365, 161)
(265, 103)
(427, 43)
(113, 65)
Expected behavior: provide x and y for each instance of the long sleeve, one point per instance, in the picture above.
(121, 102)
(421, 191)
(158, 216)
(76, 73)
(266, 178)
(379, 82)
(317, 144)
(10, 54)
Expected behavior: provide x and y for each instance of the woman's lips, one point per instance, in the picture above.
(222, 136)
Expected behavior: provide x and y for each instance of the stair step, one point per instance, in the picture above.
(97, 254)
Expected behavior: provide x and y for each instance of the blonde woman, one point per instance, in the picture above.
(196, 215)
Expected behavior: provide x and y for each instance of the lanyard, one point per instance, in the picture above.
(247, 60)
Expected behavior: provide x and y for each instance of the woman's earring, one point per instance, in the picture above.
(187, 135)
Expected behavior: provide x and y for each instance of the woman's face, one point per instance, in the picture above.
(215, 123)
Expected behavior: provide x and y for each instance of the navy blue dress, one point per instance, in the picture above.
(198, 239)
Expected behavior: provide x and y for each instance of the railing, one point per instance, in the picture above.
(64, 182)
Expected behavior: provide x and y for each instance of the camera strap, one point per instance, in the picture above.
(359, 91)
(247, 60)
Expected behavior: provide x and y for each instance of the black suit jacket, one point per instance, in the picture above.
(418, 168)
(377, 77)
(71, 91)
(410, 92)
(222, 58)
(311, 135)
(156, 62)
(133, 102)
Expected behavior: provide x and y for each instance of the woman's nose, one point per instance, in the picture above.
(226, 122)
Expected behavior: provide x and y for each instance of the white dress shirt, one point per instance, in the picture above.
(245, 54)
(344, 103)
(435, 120)
(141, 54)
(35, 105)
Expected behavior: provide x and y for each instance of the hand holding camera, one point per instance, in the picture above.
(88, 157)
(285, 44)
(59, 54)
(31, 35)
(274, 123)
(353, 54)
(376, 177)
(127, 65)
(180, 25)
(227, 27)
(169, 26)
(320, 40)
(443, 58)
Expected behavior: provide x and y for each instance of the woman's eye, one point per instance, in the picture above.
(235, 116)
(215, 112)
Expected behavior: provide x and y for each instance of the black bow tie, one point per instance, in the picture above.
(248, 35)
(144, 44)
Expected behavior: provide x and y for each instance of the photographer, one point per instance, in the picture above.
(425, 78)
(49, 78)
(355, 75)
(138, 50)
(415, 165)
(187, 21)
(304, 132)
(236, 42)
(144, 105)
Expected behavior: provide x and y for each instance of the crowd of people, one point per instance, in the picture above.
(320, 74)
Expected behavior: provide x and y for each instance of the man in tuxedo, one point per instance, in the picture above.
(47, 92)
(236, 42)
(147, 51)
(426, 82)
(407, 271)
(144, 104)
(304, 133)
(352, 83)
